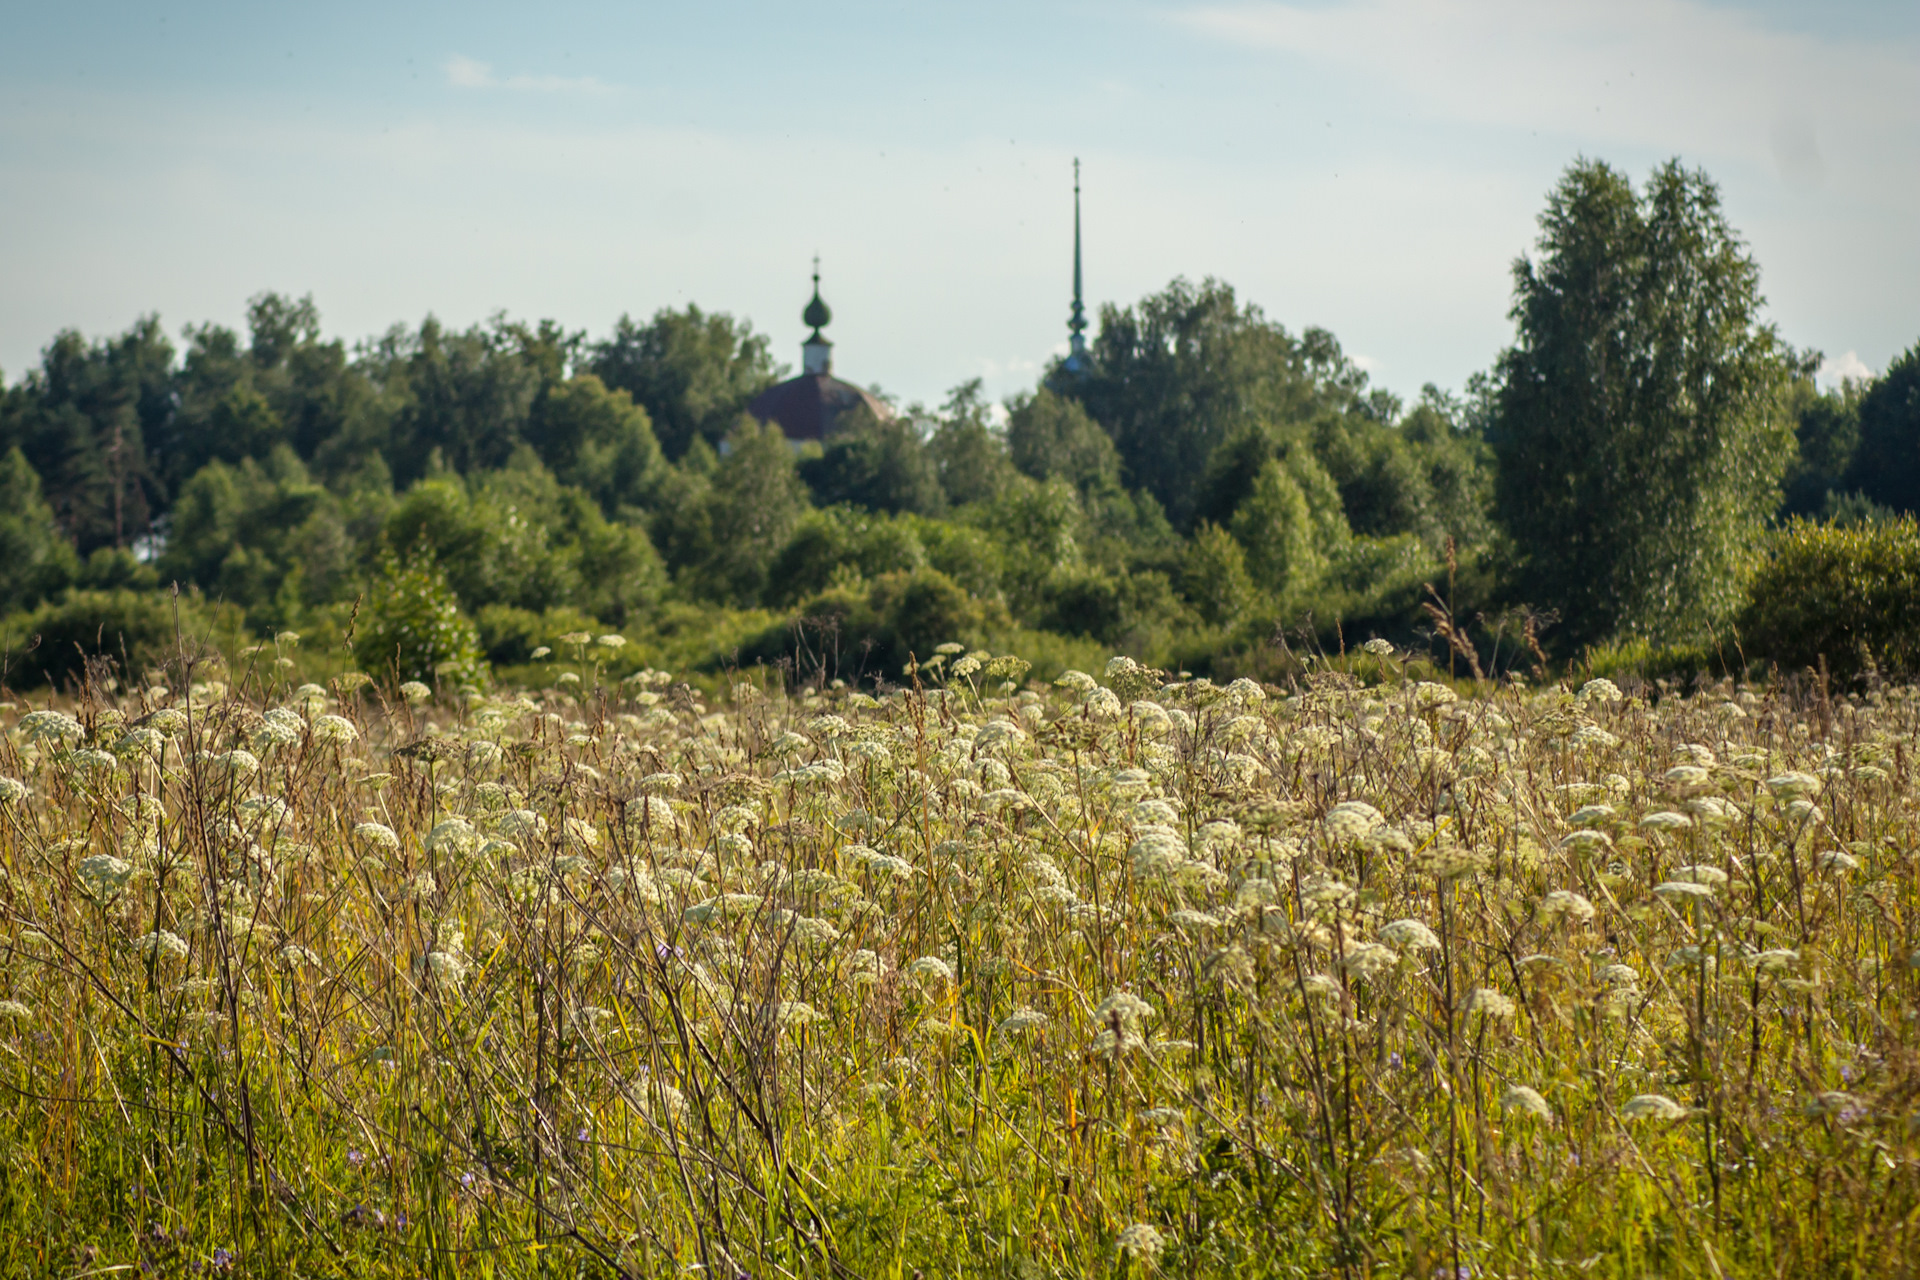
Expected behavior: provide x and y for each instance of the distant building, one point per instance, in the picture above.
(816, 404)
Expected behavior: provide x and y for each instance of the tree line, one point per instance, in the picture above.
(1212, 476)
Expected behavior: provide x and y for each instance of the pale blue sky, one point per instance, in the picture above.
(1371, 167)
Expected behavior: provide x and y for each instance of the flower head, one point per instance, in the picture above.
(1352, 820)
(104, 876)
(377, 834)
(1525, 1101)
(1409, 935)
(1141, 1241)
(51, 726)
(1489, 1003)
(931, 969)
(1792, 786)
(1652, 1106)
(334, 729)
(1566, 903)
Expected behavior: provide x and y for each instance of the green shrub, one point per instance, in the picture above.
(870, 632)
(1213, 577)
(412, 628)
(508, 636)
(923, 610)
(839, 543)
(1121, 610)
(126, 633)
(1850, 595)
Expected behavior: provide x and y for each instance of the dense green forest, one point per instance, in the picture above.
(1216, 492)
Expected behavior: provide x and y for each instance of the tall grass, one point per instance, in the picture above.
(969, 979)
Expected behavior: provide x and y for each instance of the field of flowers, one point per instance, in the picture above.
(984, 976)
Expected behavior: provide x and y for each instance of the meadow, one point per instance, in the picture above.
(1114, 974)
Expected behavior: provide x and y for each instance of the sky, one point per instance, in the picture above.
(1373, 167)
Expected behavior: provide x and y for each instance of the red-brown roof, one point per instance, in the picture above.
(810, 406)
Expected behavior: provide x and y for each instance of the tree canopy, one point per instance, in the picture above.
(1209, 480)
(1640, 426)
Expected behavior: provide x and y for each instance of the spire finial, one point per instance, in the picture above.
(1077, 321)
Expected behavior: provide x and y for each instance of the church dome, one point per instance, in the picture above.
(813, 405)
(817, 313)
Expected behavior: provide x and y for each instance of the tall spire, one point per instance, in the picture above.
(816, 353)
(1077, 322)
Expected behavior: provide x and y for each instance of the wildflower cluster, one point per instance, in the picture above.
(1105, 972)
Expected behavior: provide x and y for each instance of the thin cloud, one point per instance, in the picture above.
(1835, 370)
(470, 73)
(1661, 74)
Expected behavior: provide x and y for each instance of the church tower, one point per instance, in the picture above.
(816, 353)
(1077, 361)
(814, 405)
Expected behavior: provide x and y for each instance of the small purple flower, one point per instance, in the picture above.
(356, 1159)
(1394, 1060)
(581, 1135)
(221, 1260)
(466, 1181)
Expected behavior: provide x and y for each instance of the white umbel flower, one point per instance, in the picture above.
(376, 834)
(1369, 960)
(1488, 1003)
(1352, 820)
(1652, 1106)
(1684, 891)
(1525, 1101)
(1141, 1241)
(164, 943)
(1792, 786)
(1568, 904)
(104, 875)
(930, 969)
(1409, 935)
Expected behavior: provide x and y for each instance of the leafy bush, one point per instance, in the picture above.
(1213, 576)
(840, 542)
(128, 632)
(508, 636)
(413, 629)
(1121, 609)
(1850, 595)
(870, 633)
